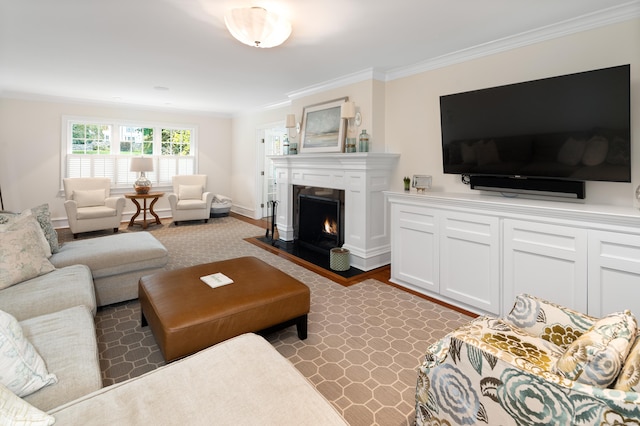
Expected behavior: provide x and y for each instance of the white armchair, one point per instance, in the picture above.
(189, 201)
(90, 206)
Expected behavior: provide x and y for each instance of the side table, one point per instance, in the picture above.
(153, 196)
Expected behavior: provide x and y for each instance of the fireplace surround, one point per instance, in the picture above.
(363, 177)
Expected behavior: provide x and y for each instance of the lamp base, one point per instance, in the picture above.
(142, 185)
(142, 189)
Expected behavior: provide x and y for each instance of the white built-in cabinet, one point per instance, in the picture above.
(479, 252)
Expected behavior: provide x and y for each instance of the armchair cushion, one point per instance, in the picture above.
(596, 357)
(89, 197)
(190, 192)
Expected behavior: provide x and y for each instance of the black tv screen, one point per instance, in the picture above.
(573, 127)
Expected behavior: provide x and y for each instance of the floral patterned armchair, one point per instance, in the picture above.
(543, 364)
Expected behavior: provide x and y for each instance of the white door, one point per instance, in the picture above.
(270, 141)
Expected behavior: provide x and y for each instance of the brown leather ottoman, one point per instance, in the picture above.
(186, 315)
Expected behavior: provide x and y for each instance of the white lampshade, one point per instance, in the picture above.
(348, 110)
(291, 121)
(141, 164)
(255, 26)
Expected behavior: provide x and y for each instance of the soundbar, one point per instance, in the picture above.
(534, 186)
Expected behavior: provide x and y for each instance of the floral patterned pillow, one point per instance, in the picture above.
(22, 369)
(596, 357)
(22, 256)
(43, 216)
(629, 378)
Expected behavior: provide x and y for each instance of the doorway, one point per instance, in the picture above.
(270, 142)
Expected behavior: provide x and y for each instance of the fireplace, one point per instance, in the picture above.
(362, 179)
(319, 219)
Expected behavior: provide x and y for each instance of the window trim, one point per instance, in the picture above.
(66, 142)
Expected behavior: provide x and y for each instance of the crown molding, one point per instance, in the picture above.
(357, 77)
(612, 15)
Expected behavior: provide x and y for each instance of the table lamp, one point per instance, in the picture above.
(142, 164)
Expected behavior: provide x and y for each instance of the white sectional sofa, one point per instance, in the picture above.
(48, 318)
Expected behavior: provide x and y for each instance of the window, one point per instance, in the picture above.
(103, 148)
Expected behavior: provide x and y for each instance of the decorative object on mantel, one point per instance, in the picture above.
(339, 259)
(323, 128)
(348, 112)
(421, 182)
(256, 26)
(407, 183)
(363, 141)
(142, 164)
(292, 124)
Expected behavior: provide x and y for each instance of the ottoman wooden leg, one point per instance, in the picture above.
(301, 327)
(143, 320)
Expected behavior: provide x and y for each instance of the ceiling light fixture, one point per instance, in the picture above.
(256, 26)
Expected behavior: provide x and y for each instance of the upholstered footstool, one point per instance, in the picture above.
(187, 315)
(116, 261)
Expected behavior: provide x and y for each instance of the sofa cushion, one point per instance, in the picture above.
(226, 384)
(59, 289)
(22, 369)
(89, 197)
(190, 192)
(113, 254)
(596, 357)
(15, 411)
(629, 378)
(22, 256)
(67, 342)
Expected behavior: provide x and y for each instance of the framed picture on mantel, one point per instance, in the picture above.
(323, 129)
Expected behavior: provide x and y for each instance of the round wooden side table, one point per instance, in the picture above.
(153, 196)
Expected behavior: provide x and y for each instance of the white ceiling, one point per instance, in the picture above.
(123, 51)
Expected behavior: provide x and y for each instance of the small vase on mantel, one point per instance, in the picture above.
(363, 142)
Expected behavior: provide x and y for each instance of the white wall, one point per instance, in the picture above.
(412, 103)
(30, 148)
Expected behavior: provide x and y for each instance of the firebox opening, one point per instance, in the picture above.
(319, 218)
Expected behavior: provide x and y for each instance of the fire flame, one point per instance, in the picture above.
(330, 227)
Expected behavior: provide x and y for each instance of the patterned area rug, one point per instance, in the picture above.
(365, 341)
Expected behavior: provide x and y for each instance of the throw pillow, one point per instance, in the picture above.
(43, 216)
(22, 256)
(596, 357)
(629, 378)
(22, 369)
(89, 197)
(27, 220)
(16, 411)
(190, 192)
(6, 217)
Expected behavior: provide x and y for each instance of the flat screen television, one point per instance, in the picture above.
(573, 127)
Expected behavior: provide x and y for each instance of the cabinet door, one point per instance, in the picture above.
(470, 260)
(546, 261)
(414, 247)
(614, 273)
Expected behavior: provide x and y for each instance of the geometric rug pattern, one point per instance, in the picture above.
(364, 342)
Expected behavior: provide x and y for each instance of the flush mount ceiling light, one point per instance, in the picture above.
(256, 26)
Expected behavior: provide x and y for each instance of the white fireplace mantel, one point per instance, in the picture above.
(364, 177)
